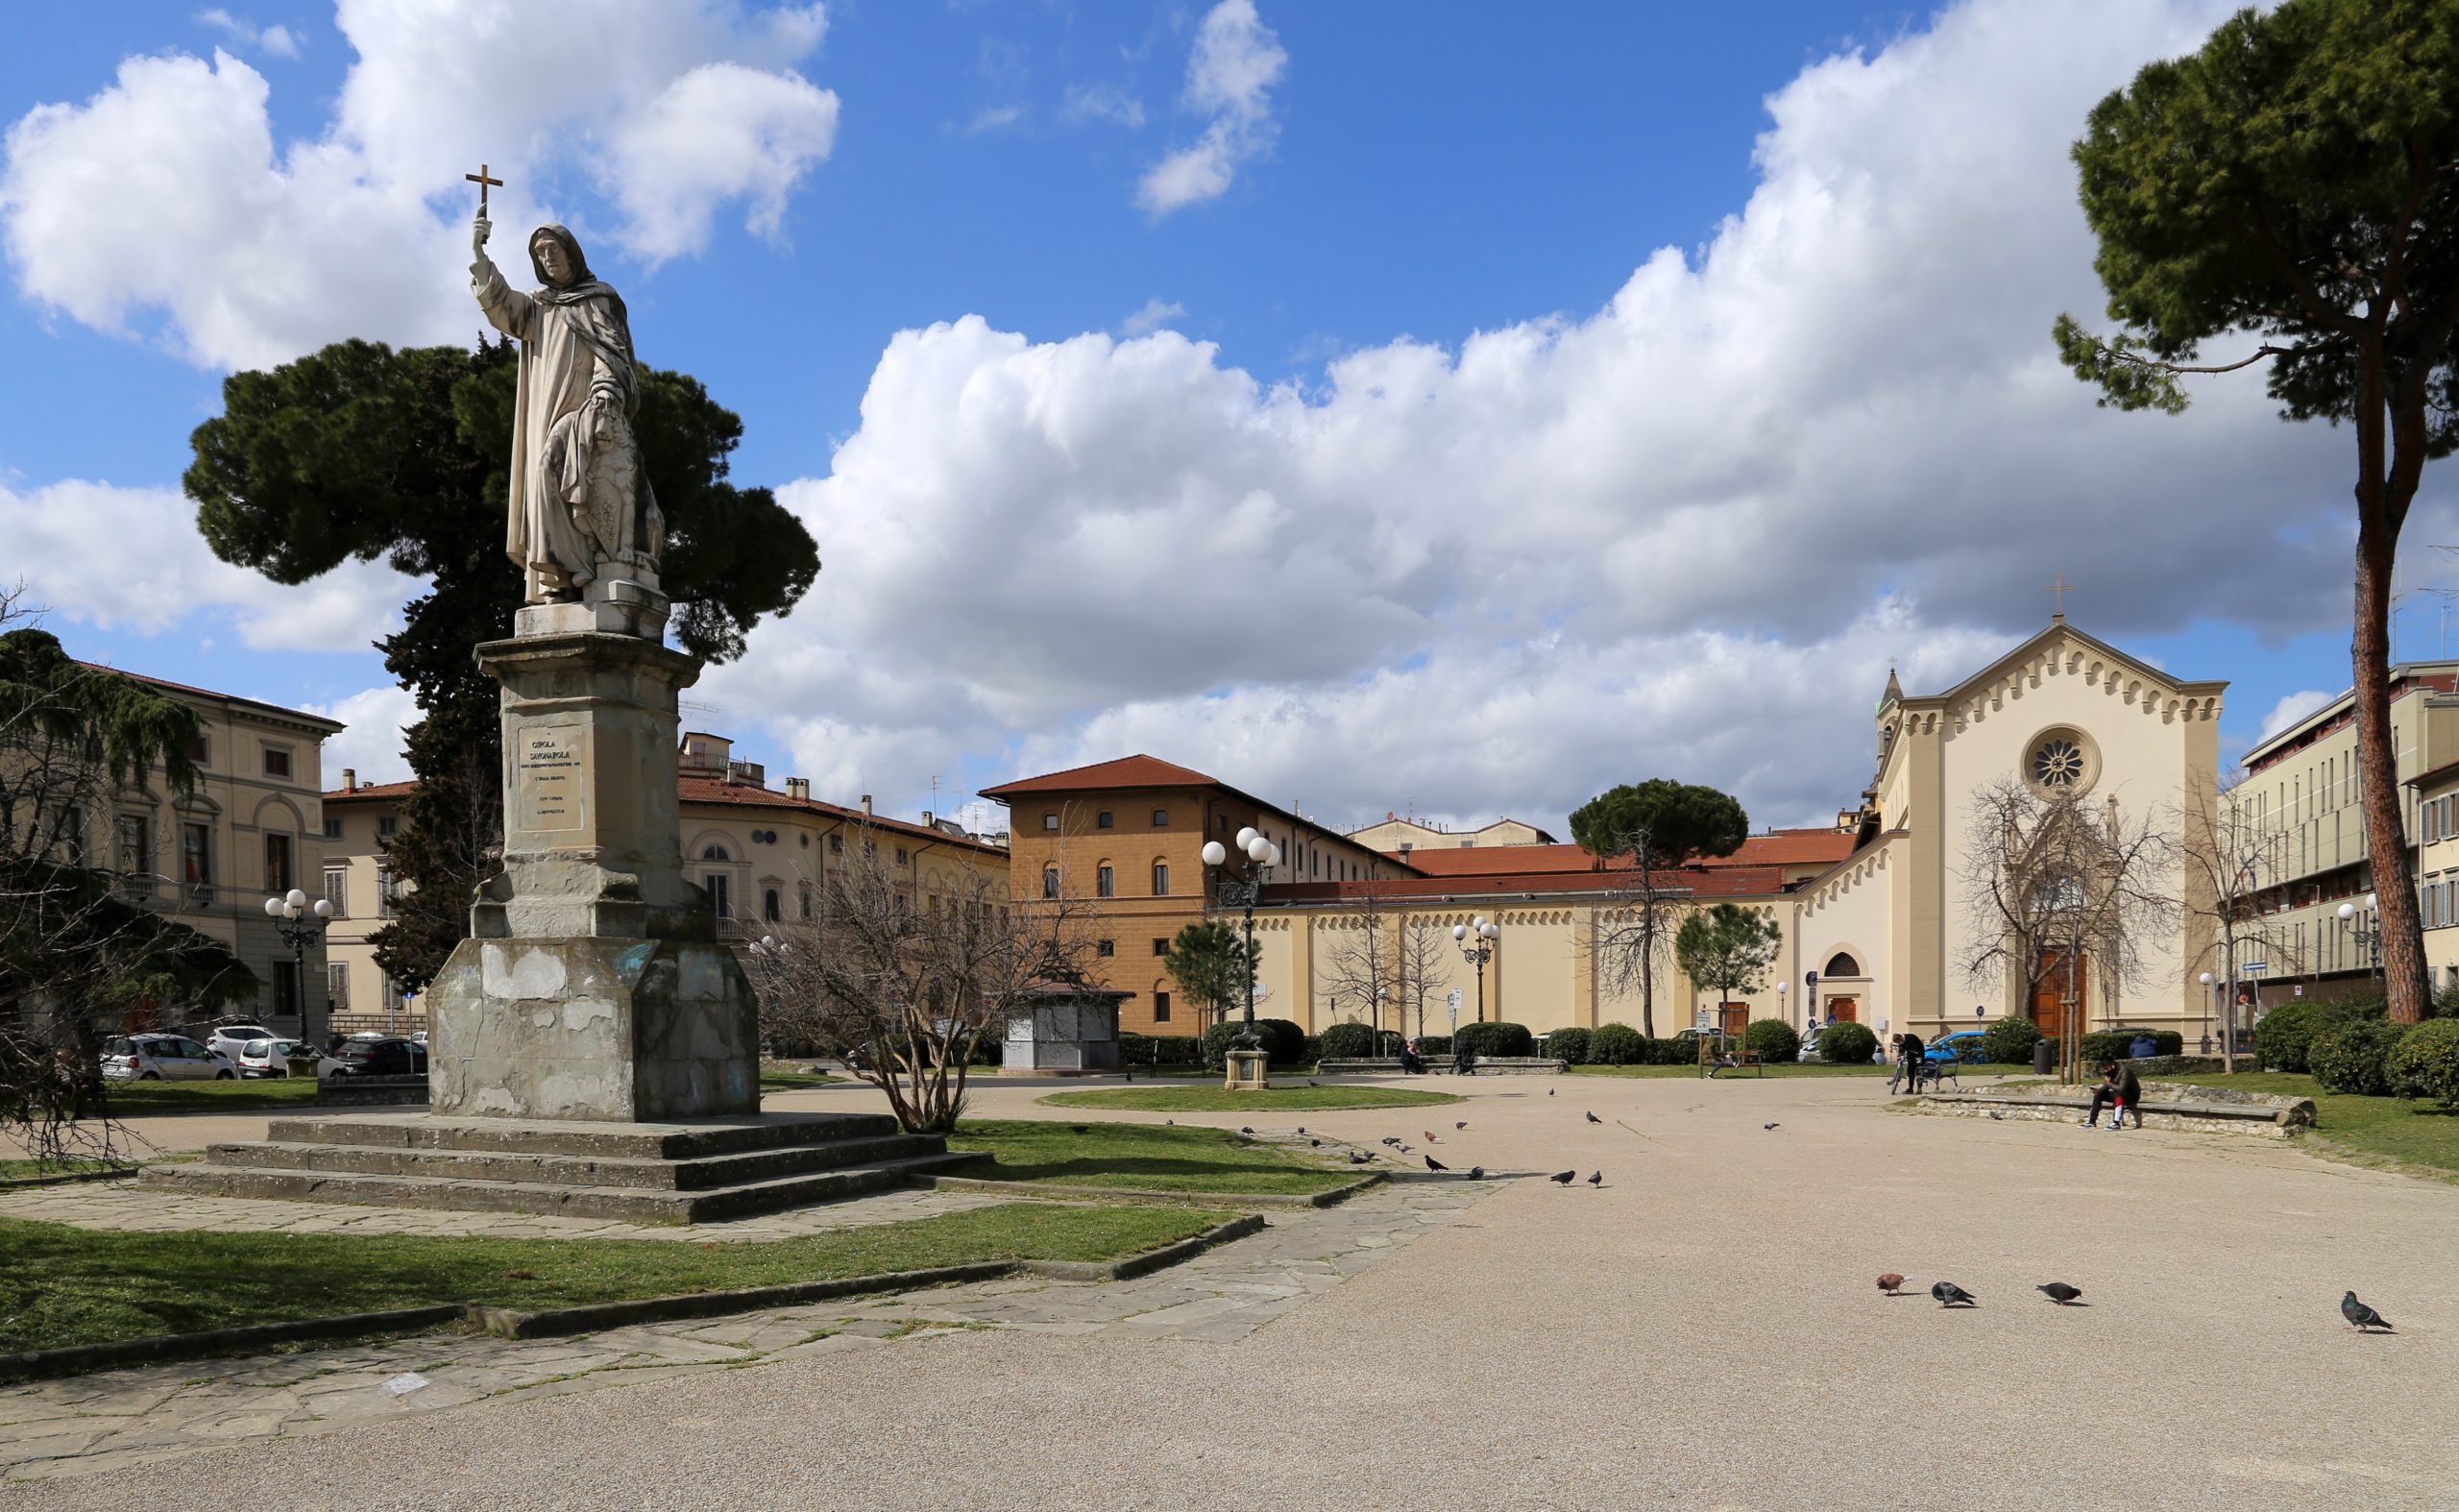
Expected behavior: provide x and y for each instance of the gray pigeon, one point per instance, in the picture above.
(1244, 1130)
(1597, 1177)
(2059, 1292)
(1433, 1164)
(2363, 1318)
(1995, 1116)
(1392, 1140)
(1360, 1158)
(1949, 1294)
(1563, 1178)
(1462, 1124)
(1476, 1173)
(1768, 1126)
(1592, 1118)
(1550, 1092)
(1301, 1128)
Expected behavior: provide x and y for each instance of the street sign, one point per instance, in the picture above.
(2252, 967)
(1454, 998)
(1262, 992)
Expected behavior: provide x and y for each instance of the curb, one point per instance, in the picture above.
(77, 1360)
(1133, 1194)
(21, 1183)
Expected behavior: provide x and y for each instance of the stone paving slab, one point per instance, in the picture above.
(120, 1205)
(93, 1425)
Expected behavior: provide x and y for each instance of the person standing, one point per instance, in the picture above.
(1910, 1048)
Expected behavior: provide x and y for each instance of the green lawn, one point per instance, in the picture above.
(65, 1286)
(2367, 1129)
(138, 1099)
(16, 1170)
(1146, 1157)
(1221, 1100)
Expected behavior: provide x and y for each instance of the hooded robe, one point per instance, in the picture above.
(579, 499)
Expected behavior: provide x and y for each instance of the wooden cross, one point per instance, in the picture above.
(482, 179)
(2058, 587)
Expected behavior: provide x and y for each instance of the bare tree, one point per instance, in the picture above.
(2054, 881)
(79, 874)
(1364, 968)
(1634, 933)
(905, 988)
(1422, 955)
(2229, 853)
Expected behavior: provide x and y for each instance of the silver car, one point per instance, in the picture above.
(163, 1057)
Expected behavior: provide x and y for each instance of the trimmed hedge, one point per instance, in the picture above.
(1848, 1045)
(1773, 1038)
(2282, 1036)
(1352, 1043)
(1431, 1046)
(1493, 1039)
(2426, 1062)
(1160, 1049)
(1569, 1046)
(1284, 1042)
(2352, 1055)
(1616, 1044)
(2010, 1041)
(2118, 1044)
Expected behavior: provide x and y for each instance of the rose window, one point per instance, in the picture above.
(2057, 763)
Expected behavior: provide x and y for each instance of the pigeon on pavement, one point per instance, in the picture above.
(1243, 1129)
(1462, 1124)
(1592, 1118)
(1766, 1126)
(2059, 1292)
(1597, 1177)
(1392, 1140)
(1550, 1092)
(1995, 1116)
(1562, 1177)
(1316, 1143)
(1949, 1294)
(1433, 1164)
(2363, 1318)
(1360, 1158)
(1476, 1173)
(1890, 1283)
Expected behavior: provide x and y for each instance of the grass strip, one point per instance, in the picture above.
(1149, 1157)
(65, 1285)
(1221, 1100)
(2389, 1131)
(1779, 1068)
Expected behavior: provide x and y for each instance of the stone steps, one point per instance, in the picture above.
(679, 1140)
(619, 1203)
(705, 1173)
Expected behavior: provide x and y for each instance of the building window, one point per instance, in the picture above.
(1843, 964)
(1160, 818)
(1106, 947)
(337, 889)
(1160, 1007)
(715, 853)
(900, 855)
(278, 864)
(198, 748)
(802, 897)
(196, 855)
(1103, 820)
(337, 987)
(720, 894)
(277, 762)
(387, 892)
(1160, 946)
(772, 906)
(1050, 882)
(837, 844)
(1050, 822)
(1105, 882)
(135, 844)
(285, 989)
(332, 828)
(387, 825)
(1161, 879)
(392, 995)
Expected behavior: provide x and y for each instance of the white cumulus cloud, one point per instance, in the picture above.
(1230, 72)
(1153, 314)
(2291, 708)
(165, 202)
(371, 745)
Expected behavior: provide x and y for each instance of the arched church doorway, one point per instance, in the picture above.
(2058, 986)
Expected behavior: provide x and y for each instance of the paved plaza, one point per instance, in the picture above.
(1701, 1331)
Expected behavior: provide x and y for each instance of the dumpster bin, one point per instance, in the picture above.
(2044, 1057)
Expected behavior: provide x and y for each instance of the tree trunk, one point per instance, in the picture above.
(2386, 846)
(1647, 959)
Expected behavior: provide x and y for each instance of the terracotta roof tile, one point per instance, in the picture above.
(1702, 882)
(1127, 771)
(369, 790)
(1453, 861)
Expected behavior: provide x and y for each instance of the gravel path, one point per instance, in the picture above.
(1702, 1331)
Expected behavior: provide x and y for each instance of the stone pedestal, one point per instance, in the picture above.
(595, 986)
(1245, 1071)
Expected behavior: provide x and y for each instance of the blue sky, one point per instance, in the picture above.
(1404, 178)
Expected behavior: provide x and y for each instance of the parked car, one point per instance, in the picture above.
(232, 1038)
(382, 1056)
(162, 1058)
(271, 1056)
(1963, 1047)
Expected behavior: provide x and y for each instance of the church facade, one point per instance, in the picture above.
(1878, 919)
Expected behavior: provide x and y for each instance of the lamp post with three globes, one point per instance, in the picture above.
(1238, 886)
(300, 921)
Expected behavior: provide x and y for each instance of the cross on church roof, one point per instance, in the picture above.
(2058, 589)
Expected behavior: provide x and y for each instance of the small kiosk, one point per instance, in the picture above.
(1059, 1029)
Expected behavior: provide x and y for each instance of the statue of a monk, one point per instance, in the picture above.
(581, 509)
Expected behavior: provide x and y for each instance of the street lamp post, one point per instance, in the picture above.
(2367, 938)
(1782, 988)
(1476, 939)
(299, 922)
(1238, 886)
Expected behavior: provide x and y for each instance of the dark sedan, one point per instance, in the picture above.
(376, 1057)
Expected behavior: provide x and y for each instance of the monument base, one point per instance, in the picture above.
(686, 1171)
(612, 1029)
(1245, 1070)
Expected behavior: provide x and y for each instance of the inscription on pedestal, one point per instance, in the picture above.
(547, 779)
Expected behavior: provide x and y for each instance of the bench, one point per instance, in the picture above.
(2166, 1104)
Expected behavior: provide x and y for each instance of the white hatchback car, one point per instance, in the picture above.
(162, 1058)
(270, 1057)
(231, 1039)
